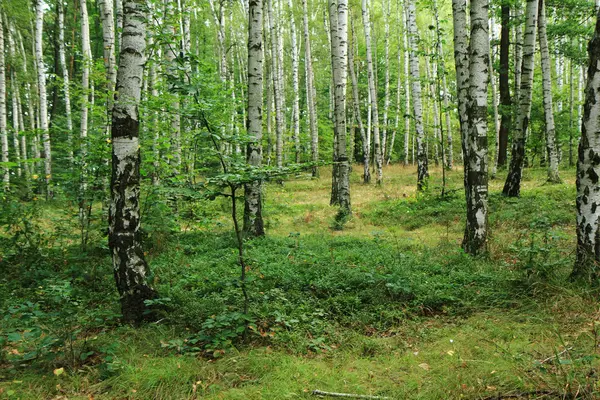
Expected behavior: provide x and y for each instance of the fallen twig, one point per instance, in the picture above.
(556, 355)
(346, 395)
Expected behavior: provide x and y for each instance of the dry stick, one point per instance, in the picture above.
(346, 395)
(556, 355)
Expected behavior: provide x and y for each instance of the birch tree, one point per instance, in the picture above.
(512, 187)
(504, 85)
(357, 113)
(476, 156)
(413, 35)
(124, 239)
(311, 93)
(66, 80)
(3, 121)
(338, 17)
(588, 171)
(377, 148)
(85, 88)
(277, 74)
(407, 93)
(108, 38)
(386, 85)
(43, 102)
(253, 221)
(295, 84)
(547, 87)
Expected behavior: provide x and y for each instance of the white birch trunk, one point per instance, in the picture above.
(124, 238)
(386, 62)
(277, 87)
(377, 148)
(108, 38)
(553, 175)
(494, 103)
(338, 16)
(512, 187)
(295, 83)
(476, 231)
(588, 171)
(3, 120)
(65, 77)
(311, 94)
(357, 113)
(253, 221)
(407, 92)
(43, 103)
(413, 37)
(85, 89)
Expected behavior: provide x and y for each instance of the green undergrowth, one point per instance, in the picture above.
(364, 313)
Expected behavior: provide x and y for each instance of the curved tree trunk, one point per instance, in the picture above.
(253, 221)
(512, 187)
(588, 171)
(125, 238)
(504, 86)
(413, 36)
(548, 108)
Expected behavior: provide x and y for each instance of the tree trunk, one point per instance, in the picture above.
(43, 104)
(512, 187)
(476, 156)
(407, 93)
(505, 102)
(377, 148)
(173, 68)
(311, 94)
(413, 35)
(553, 176)
(357, 113)
(65, 77)
(494, 100)
(108, 38)
(276, 71)
(295, 83)
(3, 121)
(338, 16)
(386, 90)
(588, 171)
(85, 94)
(130, 267)
(253, 221)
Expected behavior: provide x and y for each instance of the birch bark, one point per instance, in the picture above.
(413, 36)
(512, 187)
(253, 221)
(130, 268)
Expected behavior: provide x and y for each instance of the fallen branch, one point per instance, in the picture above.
(556, 355)
(521, 395)
(346, 395)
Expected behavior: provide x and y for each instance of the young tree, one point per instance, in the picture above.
(373, 92)
(277, 73)
(124, 238)
(338, 17)
(105, 7)
(413, 36)
(512, 187)
(588, 171)
(553, 176)
(253, 221)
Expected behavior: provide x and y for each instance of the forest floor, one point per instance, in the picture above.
(385, 305)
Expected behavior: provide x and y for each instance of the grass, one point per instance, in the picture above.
(387, 306)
